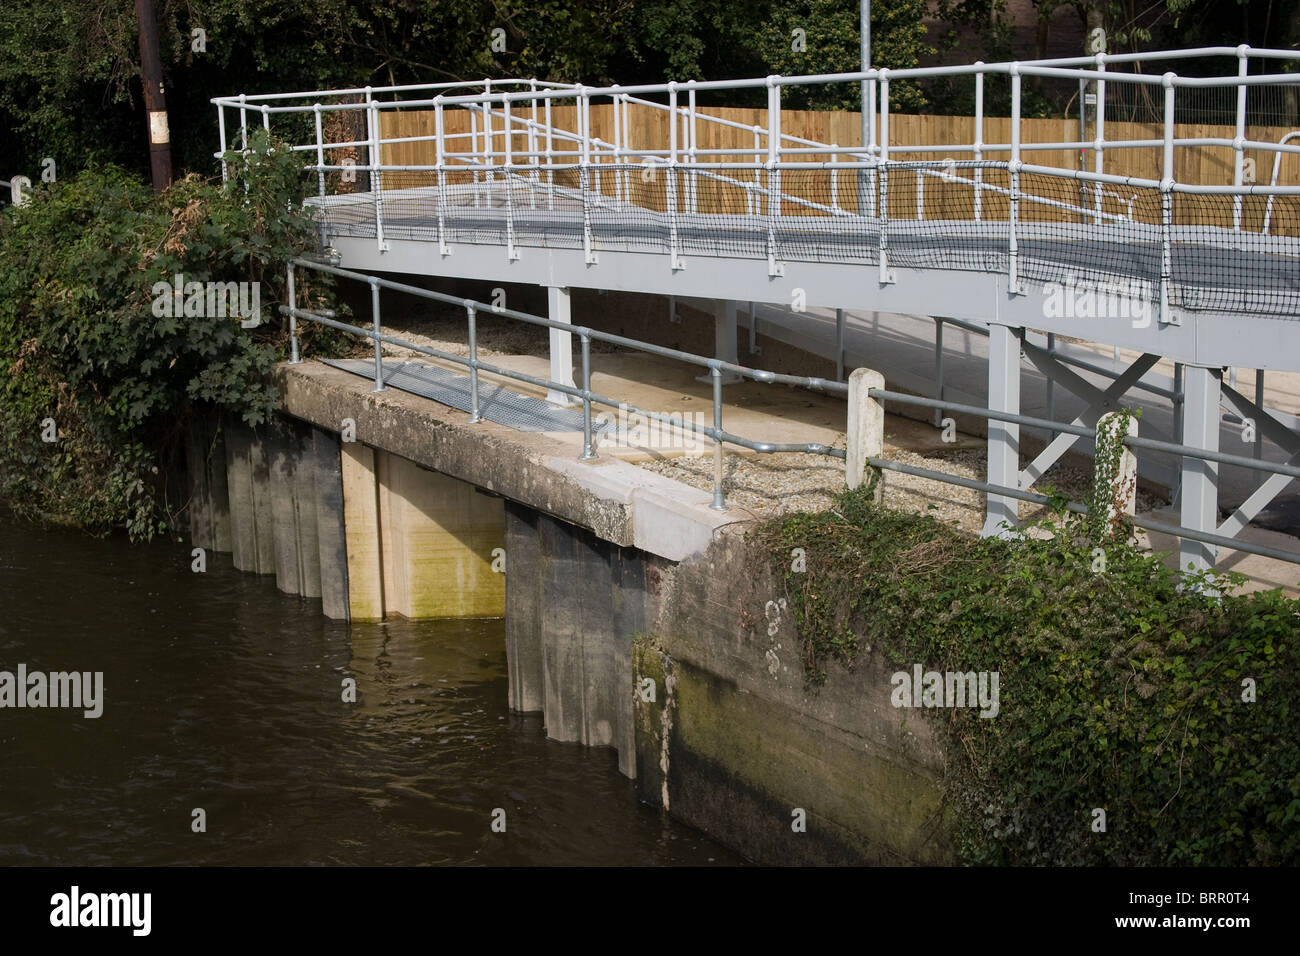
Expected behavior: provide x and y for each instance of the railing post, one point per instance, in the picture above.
(978, 152)
(550, 158)
(938, 369)
(243, 121)
(375, 320)
(1051, 387)
(584, 173)
(534, 172)
(473, 151)
(719, 501)
(294, 358)
(839, 341)
(1099, 142)
(471, 314)
(489, 176)
(774, 267)
(1167, 204)
(511, 252)
(440, 160)
(618, 149)
(670, 189)
(751, 196)
(320, 178)
(691, 196)
(835, 178)
(866, 430)
(1239, 140)
(1013, 210)
(588, 448)
(376, 161)
(886, 274)
(221, 132)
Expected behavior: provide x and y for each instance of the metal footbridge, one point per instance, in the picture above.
(1116, 235)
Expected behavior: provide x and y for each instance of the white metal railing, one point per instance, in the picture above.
(515, 147)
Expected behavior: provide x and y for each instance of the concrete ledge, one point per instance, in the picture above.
(618, 502)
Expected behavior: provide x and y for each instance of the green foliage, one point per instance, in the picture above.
(830, 29)
(84, 342)
(1120, 688)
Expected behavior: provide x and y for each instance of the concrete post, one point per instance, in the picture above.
(560, 310)
(866, 429)
(1004, 437)
(1117, 486)
(1200, 479)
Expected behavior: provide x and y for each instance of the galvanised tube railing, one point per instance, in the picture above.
(717, 432)
(496, 102)
(586, 335)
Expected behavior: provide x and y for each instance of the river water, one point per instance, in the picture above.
(223, 695)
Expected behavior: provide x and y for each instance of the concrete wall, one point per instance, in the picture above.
(419, 543)
(736, 740)
(668, 661)
(574, 605)
(729, 737)
(272, 498)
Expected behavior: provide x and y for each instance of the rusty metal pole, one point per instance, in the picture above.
(160, 152)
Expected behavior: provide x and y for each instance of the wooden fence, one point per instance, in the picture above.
(946, 199)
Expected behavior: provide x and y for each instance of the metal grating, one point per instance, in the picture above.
(496, 403)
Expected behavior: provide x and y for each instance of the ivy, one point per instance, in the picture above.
(1123, 689)
(81, 343)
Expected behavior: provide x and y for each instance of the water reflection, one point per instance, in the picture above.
(223, 694)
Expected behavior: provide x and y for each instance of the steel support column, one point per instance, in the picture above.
(1004, 437)
(1200, 479)
(559, 310)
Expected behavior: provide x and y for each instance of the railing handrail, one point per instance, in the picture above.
(716, 367)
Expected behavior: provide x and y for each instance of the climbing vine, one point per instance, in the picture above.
(1125, 688)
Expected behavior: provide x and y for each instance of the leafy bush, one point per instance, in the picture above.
(1121, 685)
(81, 343)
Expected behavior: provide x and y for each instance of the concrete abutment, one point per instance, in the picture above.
(630, 614)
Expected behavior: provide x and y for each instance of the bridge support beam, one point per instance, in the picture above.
(725, 339)
(1200, 479)
(1004, 437)
(560, 310)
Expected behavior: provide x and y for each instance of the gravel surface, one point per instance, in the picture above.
(765, 485)
(768, 485)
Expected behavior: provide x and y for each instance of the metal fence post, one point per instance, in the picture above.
(511, 252)
(472, 315)
(588, 448)
(978, 151)
(719, 502)
(294, 358)
(440, 160)
(1013, 206)
(670, 194)
(1167, 203)
(1238, 147)
(320, 177)
(374, 313)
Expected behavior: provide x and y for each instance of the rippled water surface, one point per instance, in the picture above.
(221, 693)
